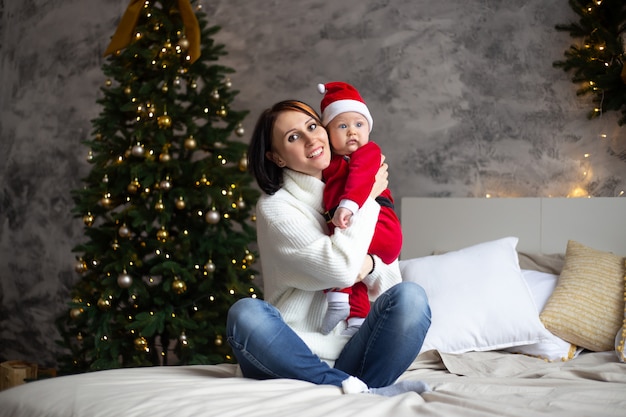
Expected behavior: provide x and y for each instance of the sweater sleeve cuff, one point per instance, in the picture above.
(350, 205)
(369, 279)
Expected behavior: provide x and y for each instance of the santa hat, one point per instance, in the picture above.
(339, 98)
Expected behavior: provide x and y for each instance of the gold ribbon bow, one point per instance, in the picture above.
(124, 33)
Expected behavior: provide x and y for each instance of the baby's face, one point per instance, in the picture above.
(348, 132)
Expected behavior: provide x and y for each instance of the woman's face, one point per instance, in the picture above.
(300, 143)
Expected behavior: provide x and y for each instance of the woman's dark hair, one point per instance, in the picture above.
(268, 175)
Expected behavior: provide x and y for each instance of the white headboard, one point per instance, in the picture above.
(543, 225)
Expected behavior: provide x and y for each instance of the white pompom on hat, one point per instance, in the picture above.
(340, 97)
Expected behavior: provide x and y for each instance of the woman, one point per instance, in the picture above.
(280, 337)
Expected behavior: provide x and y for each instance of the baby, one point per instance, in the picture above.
(349, 179)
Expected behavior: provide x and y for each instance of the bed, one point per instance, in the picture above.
(499, 274)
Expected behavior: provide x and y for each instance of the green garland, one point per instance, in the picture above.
(599, 62)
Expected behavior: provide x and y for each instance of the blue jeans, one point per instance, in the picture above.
(383, 348)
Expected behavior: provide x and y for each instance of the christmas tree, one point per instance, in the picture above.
(599, 61)
(167, 204)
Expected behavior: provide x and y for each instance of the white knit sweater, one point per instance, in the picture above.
(299, 260)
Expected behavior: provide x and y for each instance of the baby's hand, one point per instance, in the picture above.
(341, 218)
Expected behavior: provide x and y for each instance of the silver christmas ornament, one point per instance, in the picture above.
(124, 280)
(212, 217)
(210, 266)
(138, 150)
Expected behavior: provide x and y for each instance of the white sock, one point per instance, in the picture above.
(400, 388)
(338, 310)
(354, 385)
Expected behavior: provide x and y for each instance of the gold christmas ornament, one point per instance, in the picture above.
(240, 131)
(190, 143)
(162, 234)
(123, 231)
(243, 163)
(115, 245)
(179, 286)
(228, 83)
(165, 157)
(133, 187)
(159, 206)
(165, 88)
(183, 43)
(222, 112)
(180, 203)
(104, 304)
(88, 219)
(106, 201)
(215, 95)
(127, 91)
(241, 204)
(75, 312)
(218, 340)
(90, 156)
(141, 344)
(81, 266)
(164, 121)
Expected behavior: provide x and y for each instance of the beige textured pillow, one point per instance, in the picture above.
(587, 305)
(620, 338)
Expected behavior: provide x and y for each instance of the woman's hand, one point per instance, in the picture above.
(382, 179)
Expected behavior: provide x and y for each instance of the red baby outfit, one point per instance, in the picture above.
(352, 178)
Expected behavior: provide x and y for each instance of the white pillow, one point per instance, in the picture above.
(541, 285)
(478, 298)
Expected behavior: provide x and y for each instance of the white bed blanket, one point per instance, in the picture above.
(471, 384)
